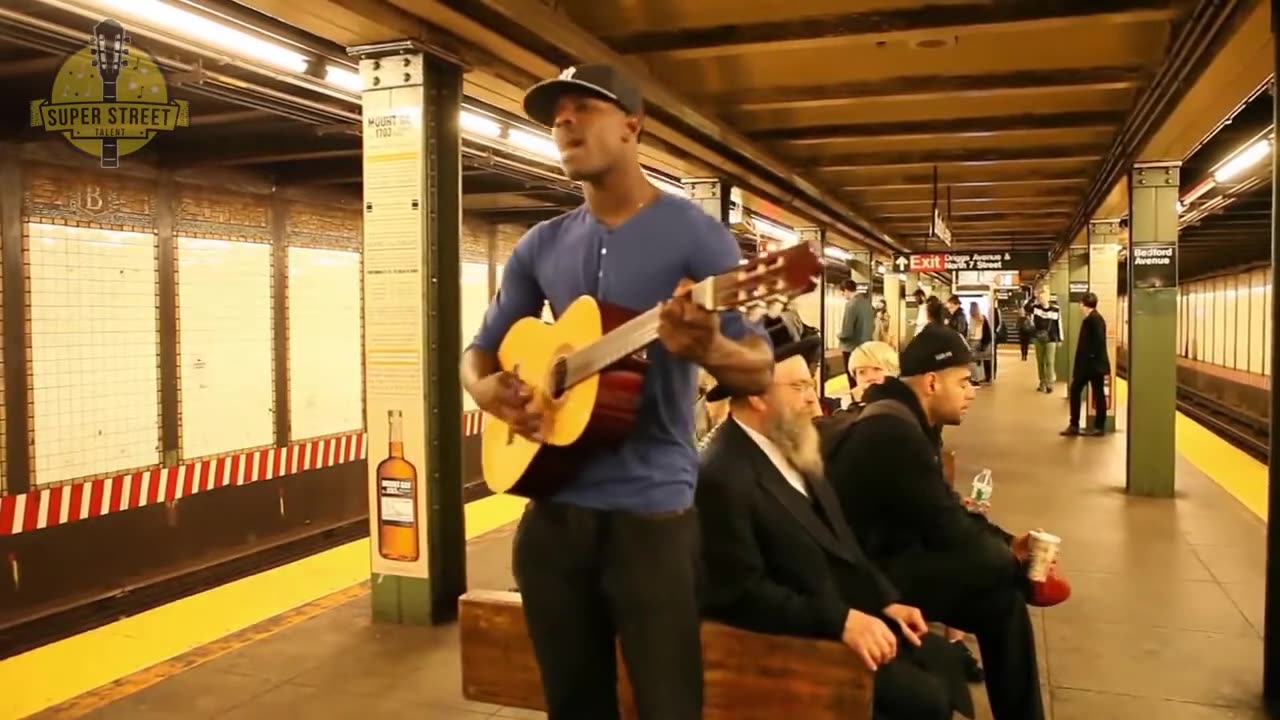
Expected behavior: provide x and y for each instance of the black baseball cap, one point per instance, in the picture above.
(603, 81)
(935, 348)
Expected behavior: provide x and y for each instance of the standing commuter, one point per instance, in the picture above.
(614, 554)
(1091, 367)
(1046, 333)
(858, 324)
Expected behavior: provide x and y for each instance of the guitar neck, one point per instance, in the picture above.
(618, 343)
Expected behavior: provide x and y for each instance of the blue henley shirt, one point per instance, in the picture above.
(635, 265)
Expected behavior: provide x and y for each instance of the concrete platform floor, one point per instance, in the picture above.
(1165, 621)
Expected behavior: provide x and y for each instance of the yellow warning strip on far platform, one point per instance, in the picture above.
(1234, 470)
(115, 655)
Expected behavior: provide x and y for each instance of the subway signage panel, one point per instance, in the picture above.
(971, 261)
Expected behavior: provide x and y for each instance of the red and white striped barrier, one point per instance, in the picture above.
(48, 507)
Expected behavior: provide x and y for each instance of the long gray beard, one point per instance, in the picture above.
(797, 438)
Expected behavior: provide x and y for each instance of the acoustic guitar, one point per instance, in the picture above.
(586, 370)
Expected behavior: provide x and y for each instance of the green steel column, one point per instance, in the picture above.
(1072, 314)
(1105, 237)
(412, 225)
(1059, 292)
(1153, 321)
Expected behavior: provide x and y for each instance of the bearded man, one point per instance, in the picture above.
(780, 558)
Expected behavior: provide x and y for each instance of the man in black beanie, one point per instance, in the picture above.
(956, 566)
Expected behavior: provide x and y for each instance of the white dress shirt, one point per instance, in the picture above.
(779, 460)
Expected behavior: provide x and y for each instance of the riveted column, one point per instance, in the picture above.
(1153, 327)
(412, 227)
(712, 194)
(1072, 313)
(1105, 237)
(1059, 295)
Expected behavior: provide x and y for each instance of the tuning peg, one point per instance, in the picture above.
(754, 313)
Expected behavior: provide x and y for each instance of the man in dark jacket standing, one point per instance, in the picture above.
(1091, 367)
(957, 567)
(780, 558)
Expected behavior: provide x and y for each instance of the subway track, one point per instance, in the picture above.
(1243, 430)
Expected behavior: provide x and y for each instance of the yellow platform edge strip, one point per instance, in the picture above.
(113, 657)
(1232, 469)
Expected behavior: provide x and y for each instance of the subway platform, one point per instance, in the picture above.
(1165, 620)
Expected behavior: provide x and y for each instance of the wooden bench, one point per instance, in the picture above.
(749, 676)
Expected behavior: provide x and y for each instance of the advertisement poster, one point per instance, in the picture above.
(393, 327)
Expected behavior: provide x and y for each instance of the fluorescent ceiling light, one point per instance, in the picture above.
(836, 253)
(770, 230)
(205, 31)
(1242, 160)
(343, 78)
(480, 125)
(539, 144)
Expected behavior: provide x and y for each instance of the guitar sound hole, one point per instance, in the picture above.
(559, 377)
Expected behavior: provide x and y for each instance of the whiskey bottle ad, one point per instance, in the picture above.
(397, 497)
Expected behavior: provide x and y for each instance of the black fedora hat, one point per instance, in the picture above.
(790, 337)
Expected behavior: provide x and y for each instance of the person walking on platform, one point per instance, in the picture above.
(1046, 333)
(1026, 326)
(980, 340)
(613, 555)
(1091, 367)
(858, 324)
(955, 318)
(781, 559)
(955, 565)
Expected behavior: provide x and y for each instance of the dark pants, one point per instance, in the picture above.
(853, 381)
(981, 594)
(924, 683)
(906, 691)
(989, 369)
(587, 577)
(1025, 343)
(1099, 399)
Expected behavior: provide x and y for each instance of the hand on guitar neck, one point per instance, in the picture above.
(685, 329)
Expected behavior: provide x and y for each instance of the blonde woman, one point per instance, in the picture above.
(870, 363)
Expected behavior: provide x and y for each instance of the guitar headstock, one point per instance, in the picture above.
(109, 49)
(764, 283)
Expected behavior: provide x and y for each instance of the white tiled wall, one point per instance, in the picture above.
(224, 336)
(325, 353)
(94, 345)
(475, 300)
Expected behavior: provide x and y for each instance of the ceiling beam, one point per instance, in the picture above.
(267, 149)
(932, 87)
(959, 216)
(965, 156)
(1045, 183)
(231, 116)
(927, 202)
(957, 127)
(924, 18)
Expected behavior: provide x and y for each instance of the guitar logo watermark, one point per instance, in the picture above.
(109, 99)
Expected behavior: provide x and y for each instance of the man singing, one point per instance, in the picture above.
(615, 553)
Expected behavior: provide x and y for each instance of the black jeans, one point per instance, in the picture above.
(587, 577)
(1099, 400)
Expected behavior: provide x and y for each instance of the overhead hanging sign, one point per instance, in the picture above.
(1153, 266)
(940, 231)
(970, 261)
